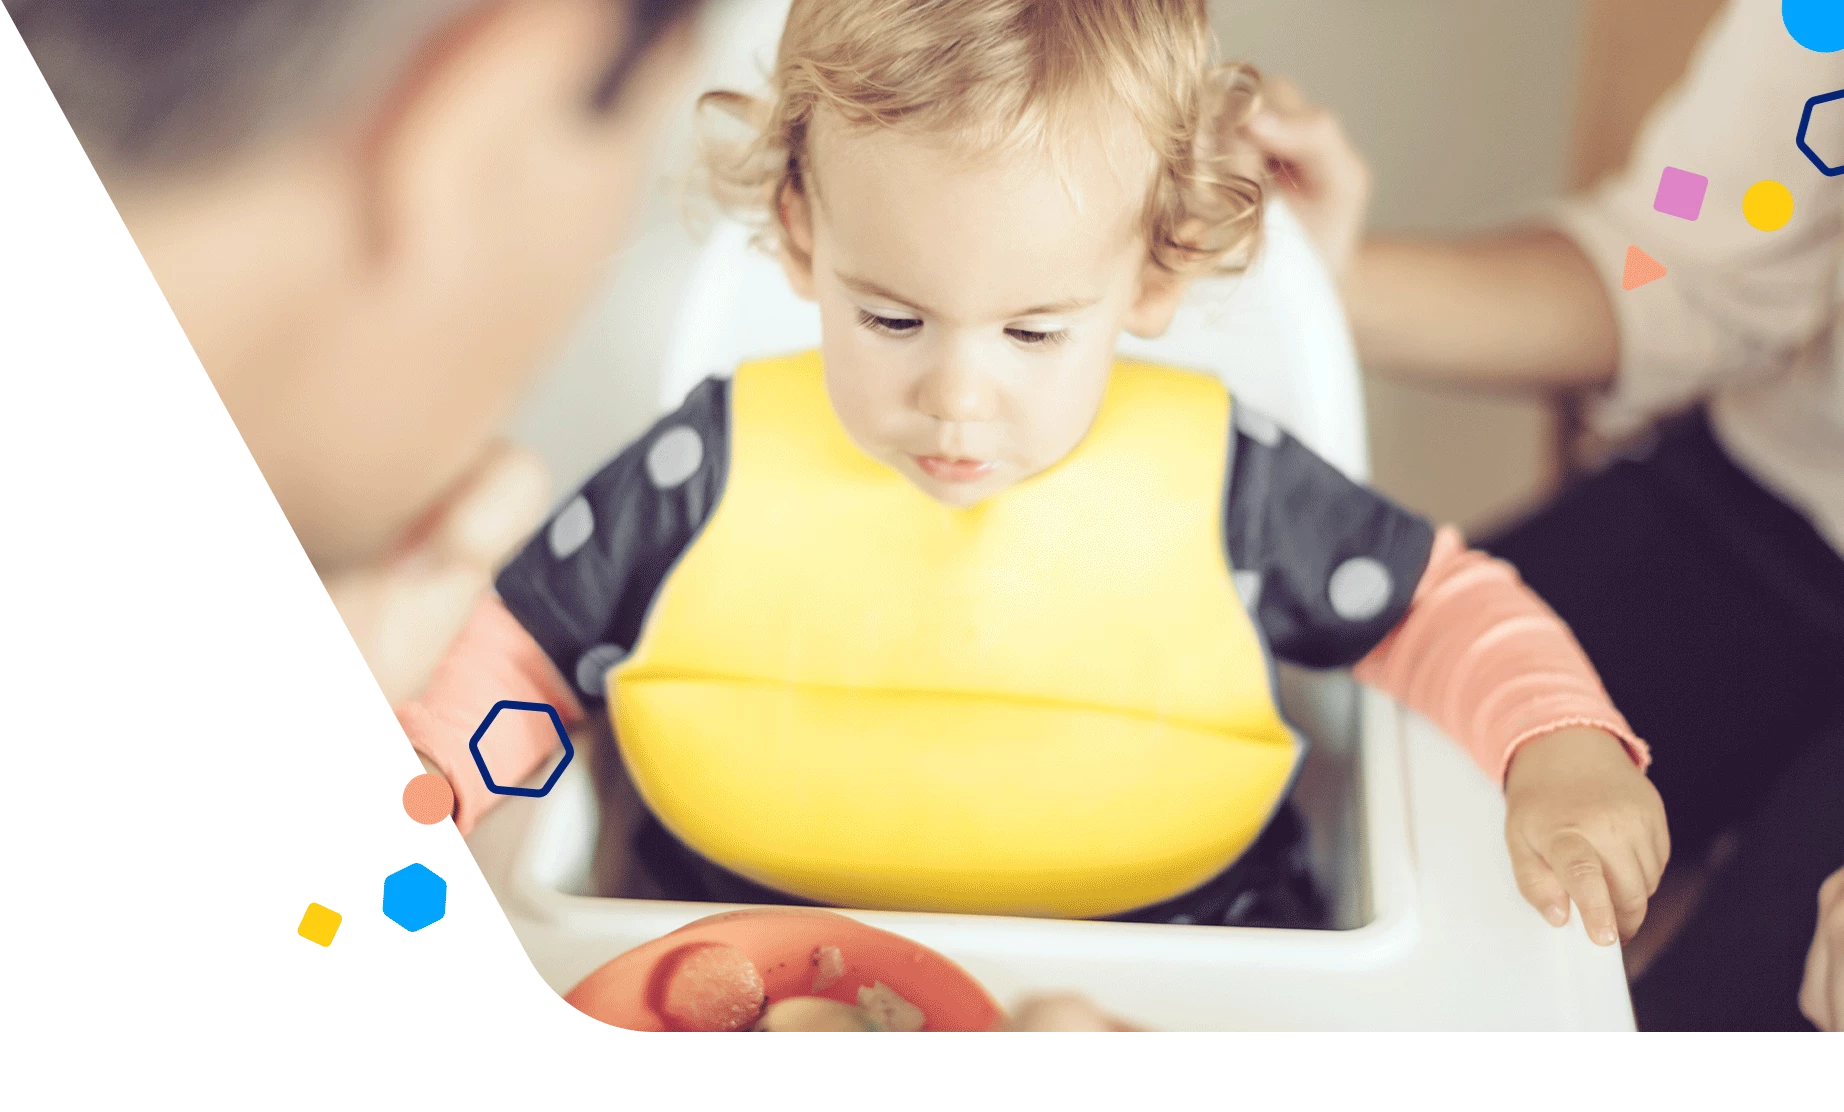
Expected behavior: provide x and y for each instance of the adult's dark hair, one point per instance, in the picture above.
(159, 85)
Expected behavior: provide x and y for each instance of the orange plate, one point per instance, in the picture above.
(780, 942)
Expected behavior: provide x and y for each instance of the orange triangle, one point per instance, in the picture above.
(1640, 269)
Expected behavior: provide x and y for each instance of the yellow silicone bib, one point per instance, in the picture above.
(1049, 704)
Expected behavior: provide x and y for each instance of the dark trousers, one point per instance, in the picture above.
(1715, 615)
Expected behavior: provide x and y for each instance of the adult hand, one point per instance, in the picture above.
(1821, 997)
(1325, 180)
(1583, 823)
(1064, 1011)
(405, 610)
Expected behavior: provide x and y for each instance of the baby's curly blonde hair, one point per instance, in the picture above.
(998, 74)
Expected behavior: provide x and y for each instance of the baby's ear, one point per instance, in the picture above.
(795, 215)
(1156, 300)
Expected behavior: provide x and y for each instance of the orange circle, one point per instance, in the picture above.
(778, 945)
(428, 799)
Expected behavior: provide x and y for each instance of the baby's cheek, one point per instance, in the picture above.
(1059, 426)
(854, 398)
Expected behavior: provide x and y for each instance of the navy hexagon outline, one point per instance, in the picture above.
(480, 762)
(1805, 121)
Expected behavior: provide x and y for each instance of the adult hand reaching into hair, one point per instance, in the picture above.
(1314, 165)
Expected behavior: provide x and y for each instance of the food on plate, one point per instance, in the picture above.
(784, 969)
(813, 1013)
(828, 967)
(879, 1008)
(888, 1011)
(708, 986)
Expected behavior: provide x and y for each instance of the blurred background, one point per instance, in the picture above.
(1471, 112)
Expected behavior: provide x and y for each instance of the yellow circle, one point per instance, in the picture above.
(1768, 205)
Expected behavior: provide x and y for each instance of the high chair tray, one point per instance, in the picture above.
(1435, 934)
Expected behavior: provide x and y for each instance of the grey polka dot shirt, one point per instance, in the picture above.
(1325, 566)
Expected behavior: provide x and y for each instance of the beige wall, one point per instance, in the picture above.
(1467, 110)
(1472, 112)
(1463, 108)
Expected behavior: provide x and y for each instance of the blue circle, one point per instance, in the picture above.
(1814, 24)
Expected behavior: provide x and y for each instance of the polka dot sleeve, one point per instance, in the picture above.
(582, 587)
(1326, 565)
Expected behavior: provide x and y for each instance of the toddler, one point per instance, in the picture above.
(961, 612)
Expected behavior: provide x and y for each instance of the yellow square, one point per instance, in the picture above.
(319, 924)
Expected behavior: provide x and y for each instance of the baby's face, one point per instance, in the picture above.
(970, 306)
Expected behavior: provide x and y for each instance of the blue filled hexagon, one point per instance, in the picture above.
(414, 897)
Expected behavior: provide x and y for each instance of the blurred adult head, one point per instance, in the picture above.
(373, 219)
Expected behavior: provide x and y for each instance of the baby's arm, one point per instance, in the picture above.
(493, 658)
(1337, 575)
(1482, 656)
(571, 604)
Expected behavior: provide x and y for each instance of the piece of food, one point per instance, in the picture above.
(813, 1013)
(879, 1009)
(708, 986)
(828, 967)
(888, 1011)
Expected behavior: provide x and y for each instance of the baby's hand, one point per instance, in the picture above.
(1583, 822)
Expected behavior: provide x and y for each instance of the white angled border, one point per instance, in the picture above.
(153, 284)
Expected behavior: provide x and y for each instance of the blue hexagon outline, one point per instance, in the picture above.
(1805, 121)
(480, 762)
(408, 872)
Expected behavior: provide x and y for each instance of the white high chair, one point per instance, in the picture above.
(1406, 834)
(1432, 931)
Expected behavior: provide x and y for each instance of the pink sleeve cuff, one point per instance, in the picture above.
(493, 658)
(1482, 656)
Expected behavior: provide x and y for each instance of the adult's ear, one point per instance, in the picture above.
(489, 138)
(794, 212)
(478, 209)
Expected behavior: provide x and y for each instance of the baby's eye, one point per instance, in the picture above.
(889, 326)
(1037, 339)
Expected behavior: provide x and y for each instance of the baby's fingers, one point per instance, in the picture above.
(1626, 879)
(1538, 884)
(1577, 864)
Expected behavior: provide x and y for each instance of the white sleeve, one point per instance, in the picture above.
(1735, 300)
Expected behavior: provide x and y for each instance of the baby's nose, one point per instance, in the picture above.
(956, 391)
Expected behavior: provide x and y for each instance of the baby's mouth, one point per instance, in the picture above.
(950, 470)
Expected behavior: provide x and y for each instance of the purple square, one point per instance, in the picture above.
(1680, 193)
